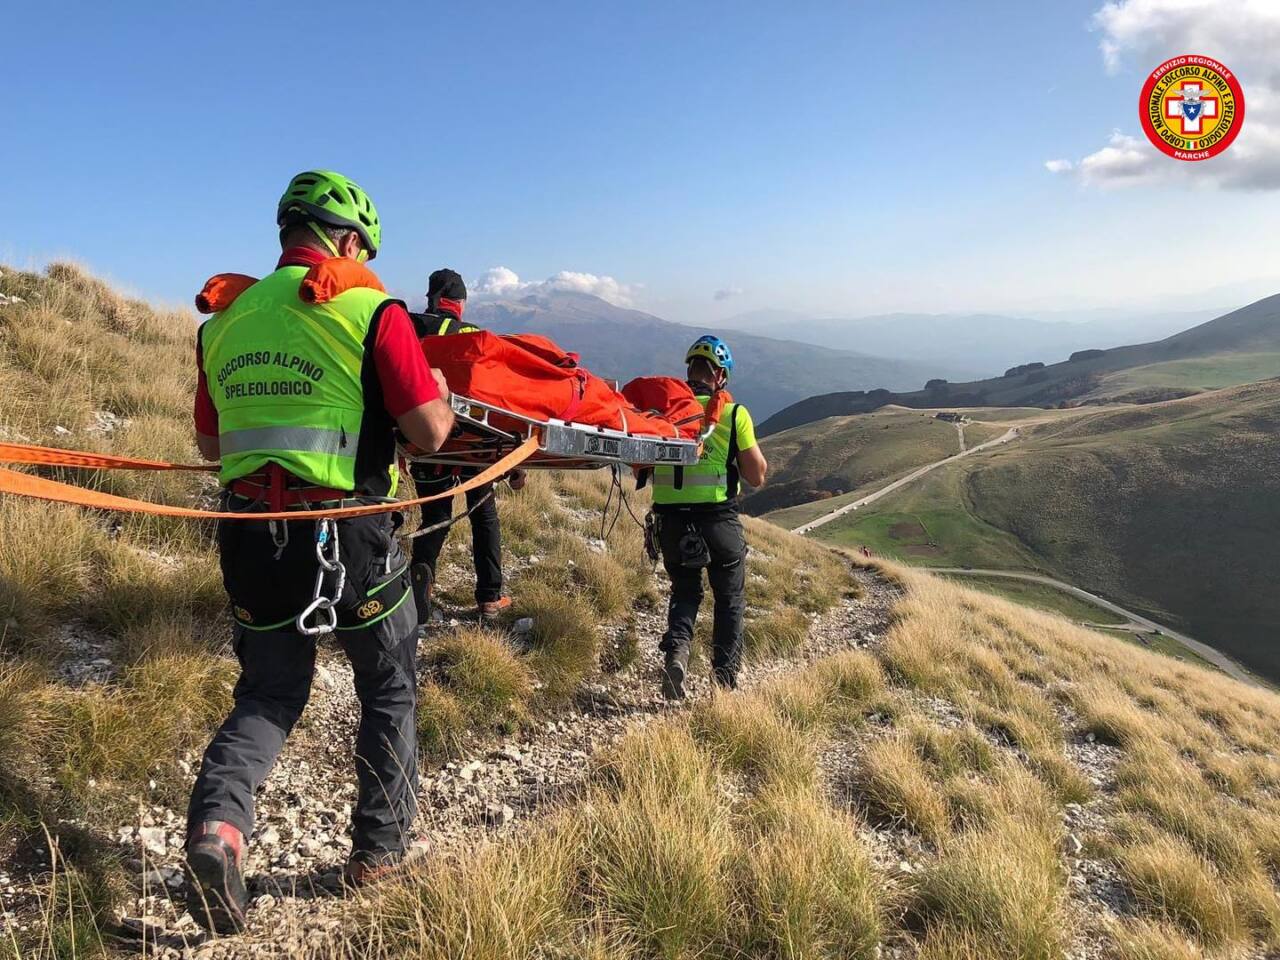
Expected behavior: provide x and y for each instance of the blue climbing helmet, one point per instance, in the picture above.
(714, 350)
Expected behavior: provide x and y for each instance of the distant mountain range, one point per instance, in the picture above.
(620, 343)
(973, 345)
(1240, 347)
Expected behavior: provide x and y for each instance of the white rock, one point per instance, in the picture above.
(153, 840)
(61, 431)
(324, 677)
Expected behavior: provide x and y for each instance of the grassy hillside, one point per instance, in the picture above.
(1036, 792)
(1167, 508)
(836, 456)
(114, 660)
(912, 769)
(1239, 347)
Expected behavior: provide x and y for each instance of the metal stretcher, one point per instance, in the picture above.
(562, 445)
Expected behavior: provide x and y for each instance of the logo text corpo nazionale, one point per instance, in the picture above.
(1192, 107)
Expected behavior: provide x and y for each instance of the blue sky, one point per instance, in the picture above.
(840, 157)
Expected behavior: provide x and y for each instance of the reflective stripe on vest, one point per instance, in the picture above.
(711, 480)
(695, 480)
(285, 378)
(300, 439)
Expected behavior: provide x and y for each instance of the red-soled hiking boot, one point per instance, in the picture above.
(364, 868)
(491, 608)
(216, 895)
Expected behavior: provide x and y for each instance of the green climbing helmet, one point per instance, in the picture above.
(333, 199)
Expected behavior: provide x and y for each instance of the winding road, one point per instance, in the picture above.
(911, 477)
(1212, 655)
(1216, 657)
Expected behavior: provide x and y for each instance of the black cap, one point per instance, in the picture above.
(446, 283)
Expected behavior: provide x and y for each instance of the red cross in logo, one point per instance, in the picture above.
(1189, 107)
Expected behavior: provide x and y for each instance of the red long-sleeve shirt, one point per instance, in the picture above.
(403, 373)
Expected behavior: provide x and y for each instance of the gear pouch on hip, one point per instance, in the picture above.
(694, 554)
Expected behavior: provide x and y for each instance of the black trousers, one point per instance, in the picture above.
(486, 535)
(377, 630)
(727, 573)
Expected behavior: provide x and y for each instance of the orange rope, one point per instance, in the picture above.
(28, 485)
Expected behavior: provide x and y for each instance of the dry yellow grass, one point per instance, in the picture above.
(477, 687)
(896, 786)
(656, 861)
(1196, 826)
(1174, 883)
(1150, 940)
(808, 882)
(1004, 887)
(747, 734)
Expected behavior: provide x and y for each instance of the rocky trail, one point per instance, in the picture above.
(300, 842)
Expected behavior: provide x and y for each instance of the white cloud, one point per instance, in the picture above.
(498, 282)
(725, 293)
(1124, 160)
(1244, 35)
(504, 282)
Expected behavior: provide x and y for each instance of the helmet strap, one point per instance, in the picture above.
(324, 237)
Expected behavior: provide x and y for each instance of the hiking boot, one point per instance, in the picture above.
(216, 896)
(724, 679)
(366, 867)
(491, 608)
(364, 870)
(674, 668)
(421, 577)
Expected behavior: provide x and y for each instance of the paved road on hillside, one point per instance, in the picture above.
(911, 477)
(1216, 657)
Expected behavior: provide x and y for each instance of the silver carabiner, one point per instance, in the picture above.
(328, 558)
(318, 605)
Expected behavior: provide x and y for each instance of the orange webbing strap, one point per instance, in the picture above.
(27, 485)
(57, 457)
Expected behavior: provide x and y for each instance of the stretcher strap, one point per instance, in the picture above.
(57, 457)
(28, 485)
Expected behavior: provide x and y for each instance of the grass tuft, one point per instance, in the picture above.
(1002, 887)
(1176, 884)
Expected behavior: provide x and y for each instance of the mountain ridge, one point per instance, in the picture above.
(1234, 345)
(622, 343)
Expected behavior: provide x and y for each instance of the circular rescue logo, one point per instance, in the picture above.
(1192, 107)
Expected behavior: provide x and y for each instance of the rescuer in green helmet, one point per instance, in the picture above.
(299, 396)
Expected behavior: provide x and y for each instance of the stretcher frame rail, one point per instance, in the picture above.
(562, 444)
